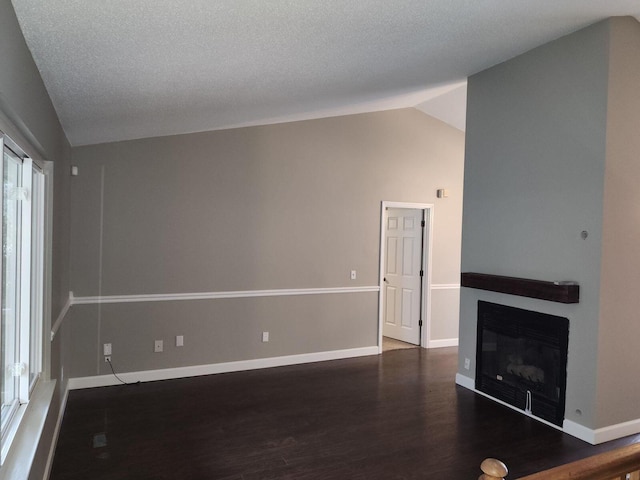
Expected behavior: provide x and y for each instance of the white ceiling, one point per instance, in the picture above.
(124, 69)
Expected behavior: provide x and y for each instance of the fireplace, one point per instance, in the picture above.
(521, 359)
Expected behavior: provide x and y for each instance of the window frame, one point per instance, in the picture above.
(35, 278)
(38, 246)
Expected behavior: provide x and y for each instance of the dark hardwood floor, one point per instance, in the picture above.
(395, 416)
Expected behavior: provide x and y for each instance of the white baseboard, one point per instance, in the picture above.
(619, 430)
(465, 382)
(470, 384)
(447, 342)
(601, 435)
(594, 437)
(576, 430)
(56, 434)
(196, 370)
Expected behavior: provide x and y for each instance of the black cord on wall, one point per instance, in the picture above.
(115, 375)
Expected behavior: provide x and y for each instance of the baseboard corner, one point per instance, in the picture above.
(445, 342)
(466, 382)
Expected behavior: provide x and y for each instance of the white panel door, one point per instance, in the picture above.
(402, 282)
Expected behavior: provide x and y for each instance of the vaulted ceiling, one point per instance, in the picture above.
(124, 69)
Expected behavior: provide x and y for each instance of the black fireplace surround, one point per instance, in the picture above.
(521, 359)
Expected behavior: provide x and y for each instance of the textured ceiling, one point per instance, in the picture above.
(123, 69)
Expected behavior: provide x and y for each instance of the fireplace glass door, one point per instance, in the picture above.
(522, 359)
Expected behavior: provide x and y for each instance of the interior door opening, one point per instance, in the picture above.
(405, 272)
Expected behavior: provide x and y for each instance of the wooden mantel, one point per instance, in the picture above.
(561, 292)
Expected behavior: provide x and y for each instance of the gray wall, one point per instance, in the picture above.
(293, 205)
(25, 105)
(552, 150)
(618, 394)
(534, 169)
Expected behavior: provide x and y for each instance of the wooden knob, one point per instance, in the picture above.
(493, 469)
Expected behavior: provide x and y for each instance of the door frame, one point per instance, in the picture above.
(427, 248)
